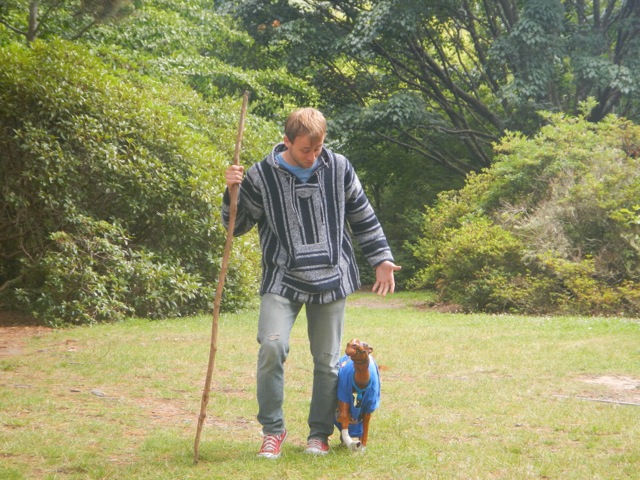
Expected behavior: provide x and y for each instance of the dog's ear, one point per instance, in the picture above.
(366, 347)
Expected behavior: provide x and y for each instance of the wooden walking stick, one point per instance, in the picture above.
(233, 194)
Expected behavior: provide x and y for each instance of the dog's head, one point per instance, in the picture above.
(358, 350)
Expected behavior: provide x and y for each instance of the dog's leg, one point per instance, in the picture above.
(344, 423)
(365, 429)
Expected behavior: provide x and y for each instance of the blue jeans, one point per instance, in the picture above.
(325, 327)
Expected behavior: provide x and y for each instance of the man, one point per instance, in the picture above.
(302, 196)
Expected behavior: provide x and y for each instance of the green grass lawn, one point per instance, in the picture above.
(464, 397)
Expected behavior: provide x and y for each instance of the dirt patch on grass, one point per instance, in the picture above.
(368, 299)
(15, 330)
(441, 307)
(375, 301)
(612, 388)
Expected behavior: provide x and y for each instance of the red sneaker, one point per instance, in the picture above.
(271, 445)
(315, 446)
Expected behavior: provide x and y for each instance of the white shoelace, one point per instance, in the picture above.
(269, 443)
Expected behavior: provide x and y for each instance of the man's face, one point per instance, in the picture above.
(302, 152)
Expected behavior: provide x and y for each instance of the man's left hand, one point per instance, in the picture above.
(385, 282)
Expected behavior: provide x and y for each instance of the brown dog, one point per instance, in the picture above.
(358, 394)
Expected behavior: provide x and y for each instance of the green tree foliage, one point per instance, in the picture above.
(186, 40)
(446, 78)
(189, 40)
(69, 19)
(111, 189)
(552, 226)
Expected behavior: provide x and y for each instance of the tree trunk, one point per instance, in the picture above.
(32, 31)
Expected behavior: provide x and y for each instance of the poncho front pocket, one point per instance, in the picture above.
(312, 280)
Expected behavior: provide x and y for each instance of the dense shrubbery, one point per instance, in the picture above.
(553, 226)
(112, 150)
(111, 188)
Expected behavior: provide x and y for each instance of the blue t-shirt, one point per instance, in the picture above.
(361, 401)
(302, 174)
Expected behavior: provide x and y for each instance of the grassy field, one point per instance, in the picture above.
(464, 397)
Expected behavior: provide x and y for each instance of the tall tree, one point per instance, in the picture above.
(446, 78)
(190, 41)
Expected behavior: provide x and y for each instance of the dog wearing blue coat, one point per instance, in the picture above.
(358, 394)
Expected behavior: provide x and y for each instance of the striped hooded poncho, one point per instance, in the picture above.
(307, 253)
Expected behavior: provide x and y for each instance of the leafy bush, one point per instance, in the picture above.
(470, 260)
(113, 184)
(84, 276)
(91, 274)
(552, 226)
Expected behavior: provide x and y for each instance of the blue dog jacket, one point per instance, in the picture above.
(361, 401)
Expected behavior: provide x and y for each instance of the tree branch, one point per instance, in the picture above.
(12, 28)
(456, 167)
(11, 282)
(85, 29)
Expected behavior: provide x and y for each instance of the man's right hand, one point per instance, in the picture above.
(234, 175)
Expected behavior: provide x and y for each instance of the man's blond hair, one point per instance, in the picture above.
(306, 121)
